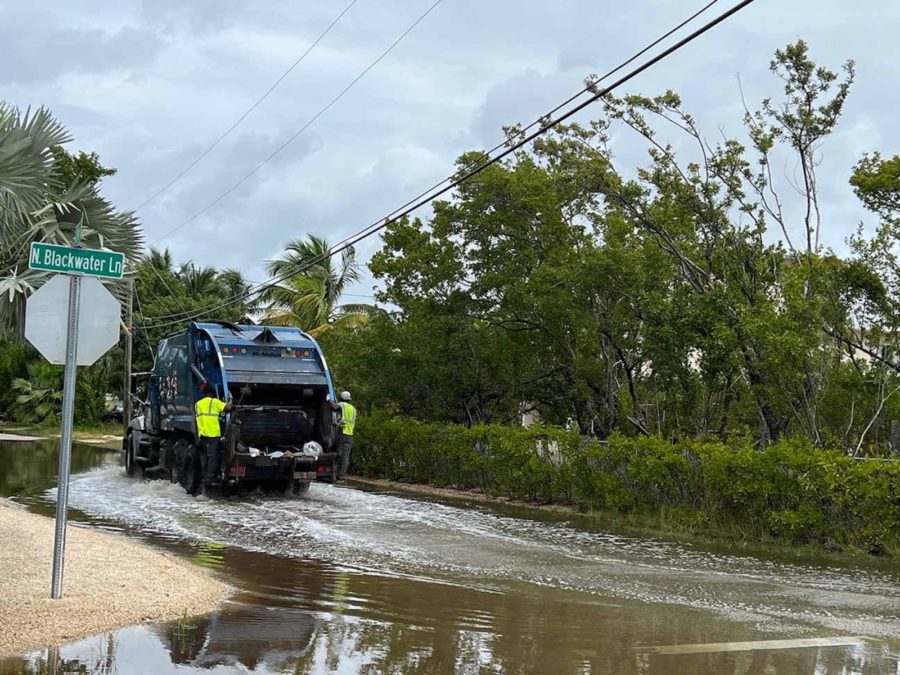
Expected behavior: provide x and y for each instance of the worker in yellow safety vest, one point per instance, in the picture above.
(209, 429)
(348, 425)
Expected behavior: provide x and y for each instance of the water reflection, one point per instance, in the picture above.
(28, 469)
(340, 611)
(209, 555)
(254, 639)
(251, 636)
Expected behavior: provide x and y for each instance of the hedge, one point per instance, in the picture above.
(791, 492)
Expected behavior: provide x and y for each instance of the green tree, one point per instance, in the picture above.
(45, 195)
(687, 296)
(310, 286)
(84, 167)
(199, 281)
(39, 396)
(13, 365)
(170, 296)
(876, 182)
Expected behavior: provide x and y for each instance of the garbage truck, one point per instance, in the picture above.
(281, 431)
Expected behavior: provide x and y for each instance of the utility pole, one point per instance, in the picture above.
(129, 346)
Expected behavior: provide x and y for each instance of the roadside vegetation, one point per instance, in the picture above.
(46, 194)
(791, 493)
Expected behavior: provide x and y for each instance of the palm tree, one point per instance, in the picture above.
(239, 289)
(199, 281)
(310, 286)
(161, 261)
(39, 397)
(36, 205)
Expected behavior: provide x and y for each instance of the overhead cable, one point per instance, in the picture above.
(306, 126)
(249, 110)
(545, 125)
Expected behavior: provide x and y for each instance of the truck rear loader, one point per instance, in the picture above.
(281, 393)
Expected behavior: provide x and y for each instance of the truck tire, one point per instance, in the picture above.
(326, 427)
(296, 488)
(332, 477)
(190, 470)
(174, 454)
(130, 464)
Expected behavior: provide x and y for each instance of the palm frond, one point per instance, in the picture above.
(35, 206)
(310, 285)
(26, 163)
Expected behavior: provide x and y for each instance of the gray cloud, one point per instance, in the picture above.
(55, 50)
(196, 16)
(150, 84)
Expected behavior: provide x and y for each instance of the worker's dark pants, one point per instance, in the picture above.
(346, 446)
(212, 459)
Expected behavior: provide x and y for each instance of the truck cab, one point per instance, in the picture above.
(281, 391)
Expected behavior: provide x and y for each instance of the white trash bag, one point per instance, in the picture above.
(312, 449)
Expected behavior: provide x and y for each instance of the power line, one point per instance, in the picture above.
(250, 109)
(137, 300)
(306, 126)
(536, 122)
(507, 141)
(588, 87)
(168, 288)
(414, 204)
(510, 148)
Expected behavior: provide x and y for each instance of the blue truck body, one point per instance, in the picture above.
(281, 391)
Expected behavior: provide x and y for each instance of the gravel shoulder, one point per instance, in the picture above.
(109, 582)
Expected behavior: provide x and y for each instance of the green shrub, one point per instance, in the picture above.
(792, 492)
(13, 365)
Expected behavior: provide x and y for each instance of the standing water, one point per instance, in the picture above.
(347, 580)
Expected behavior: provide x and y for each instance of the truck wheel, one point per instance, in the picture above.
(296, 488)
(189, 470)
(326, 427)
(333, 476)
(130, 464)
(174, 454)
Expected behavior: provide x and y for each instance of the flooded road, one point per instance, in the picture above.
(349, 580)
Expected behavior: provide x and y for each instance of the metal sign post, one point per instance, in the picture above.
(65, 438)
(52, 326)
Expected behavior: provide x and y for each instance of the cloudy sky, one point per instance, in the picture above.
(151, 84)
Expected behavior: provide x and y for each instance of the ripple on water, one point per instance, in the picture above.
(397, 535)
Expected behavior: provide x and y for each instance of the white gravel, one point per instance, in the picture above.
(110, 582)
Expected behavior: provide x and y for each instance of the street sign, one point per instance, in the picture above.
(52, 325)
(70, 260)
(45, 320)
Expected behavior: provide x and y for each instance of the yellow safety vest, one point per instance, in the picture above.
(208, 410)
(348, 418)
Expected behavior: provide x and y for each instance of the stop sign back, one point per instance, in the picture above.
(98, 325)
